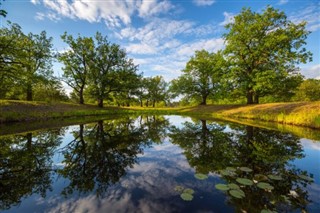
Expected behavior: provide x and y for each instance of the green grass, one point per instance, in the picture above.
(305, 114)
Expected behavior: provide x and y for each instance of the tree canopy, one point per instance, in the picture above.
(263, 49)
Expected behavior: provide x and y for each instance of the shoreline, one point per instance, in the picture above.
(304, 114)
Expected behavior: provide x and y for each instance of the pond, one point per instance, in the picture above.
(159, 164)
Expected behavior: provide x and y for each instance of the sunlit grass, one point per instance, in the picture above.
(296, 113)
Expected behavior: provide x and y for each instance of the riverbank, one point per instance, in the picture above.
(305, 114)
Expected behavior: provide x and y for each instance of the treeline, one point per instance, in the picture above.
(258, 64)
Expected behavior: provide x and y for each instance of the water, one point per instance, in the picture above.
(153, 163)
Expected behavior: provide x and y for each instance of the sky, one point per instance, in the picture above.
(159, 35)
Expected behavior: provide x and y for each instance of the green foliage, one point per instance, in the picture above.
(262, 50)
(25, 60)
(76, 62)
(309, 90)
(201, 77)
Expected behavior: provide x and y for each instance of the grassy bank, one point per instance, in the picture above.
(305, 114)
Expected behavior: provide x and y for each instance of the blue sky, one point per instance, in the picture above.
(160, 35)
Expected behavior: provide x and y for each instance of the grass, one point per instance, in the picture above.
(305, 114)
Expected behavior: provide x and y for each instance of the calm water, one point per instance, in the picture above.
(159, 164)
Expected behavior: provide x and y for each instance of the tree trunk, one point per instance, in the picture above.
(147, 103)
(256, 98)
(249, 97)
(141, 103)
(29, 141)
(100, 102)
(29, 92)
(204, 100)
(153, 103)
(81, 101)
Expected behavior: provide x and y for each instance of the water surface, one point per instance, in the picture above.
(158, 164)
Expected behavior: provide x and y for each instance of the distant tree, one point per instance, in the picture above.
(50, 90)
(309, 90)
(201, 77)
(111, 70)
(156, 88)
(35, 61)
(76, 62)
(262, 50)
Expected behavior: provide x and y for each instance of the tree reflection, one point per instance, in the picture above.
(101, 153)
(26, 165)
(252, 154)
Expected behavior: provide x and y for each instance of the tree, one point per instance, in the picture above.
(201, 76)
(9, 52)
(156, 88)
(111, 70)
(35, 61)
(309, 90)
(76, 62)
(262, 50)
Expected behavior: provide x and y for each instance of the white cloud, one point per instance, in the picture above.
(203, 2)
(40, 16)
(309, 14)
(228, 18)
(211, 45)
(152, 7)
(114, 13)
(141, 48)
(35, 1)
(282, 2)
(312, 71)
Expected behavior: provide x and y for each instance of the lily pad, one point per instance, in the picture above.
(200, 176)
(260, 177)
(231, 169)
(227, 173)
(233, 186)
(266, 186)
(274, 177)
(245, 169)
(267, 211)
(188, 191)
(305, 177)
(186, 196)
(244, 181)
(178, 189)
(237, 193)
(222, 187)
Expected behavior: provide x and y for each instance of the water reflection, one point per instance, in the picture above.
(255, 163)
(100, 154)
(134, 164)
(25, 165)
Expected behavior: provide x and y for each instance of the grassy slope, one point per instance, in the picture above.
(297, 113)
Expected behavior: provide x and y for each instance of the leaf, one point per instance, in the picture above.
(186, 196)
(267, 211)
(274, 177)
(237, 193)
(244, 181)
(260, 177)
(245, 169)
(233, 186)
(178, 189)
(227, 173)
(305, 177)
(222, 187)
(188, 191)
(266, 186)
(200, 176)
(231, 169)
